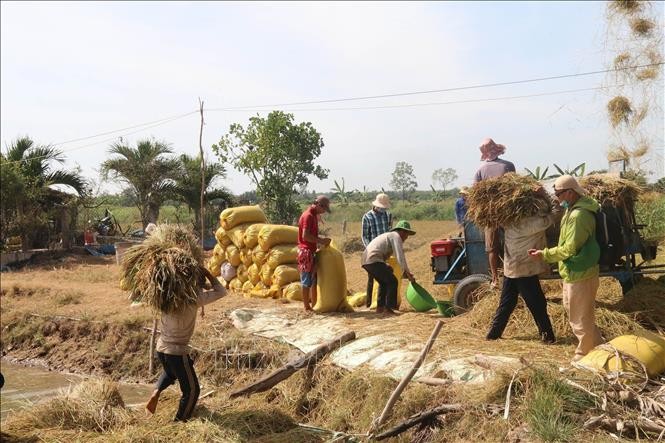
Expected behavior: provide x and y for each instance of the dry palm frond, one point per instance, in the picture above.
(619, 110)
(164, 271)
(506, 200)
(610, 190)
(642, 26)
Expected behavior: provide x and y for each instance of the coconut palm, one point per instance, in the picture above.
(34, 184)
(146, 171)
(187, 185)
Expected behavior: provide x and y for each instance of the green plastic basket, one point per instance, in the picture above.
(419, 298)
(445, 308)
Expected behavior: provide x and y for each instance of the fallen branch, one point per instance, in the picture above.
(407, 378)
(417, 419)
(619, 425)
(434, 381)
(286, 371)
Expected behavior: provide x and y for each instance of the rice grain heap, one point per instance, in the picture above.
(164, 271)
(506, 200)
(610, 190)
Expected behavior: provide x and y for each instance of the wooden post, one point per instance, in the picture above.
(152, 346)
(344, 227)
(203, 179)
(407, 378)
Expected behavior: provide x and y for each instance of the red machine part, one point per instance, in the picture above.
(441, 248)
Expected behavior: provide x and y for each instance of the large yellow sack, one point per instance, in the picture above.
(233, 255)
(232, 217)
(261, 291)
(276, 291)
(254, 274)
(235, 284)
(282, 255)
(284, 274)
(237, 235)
(273, 235)
(219, 250)
(266, 274)
(397, 272)
(241, 273)
(247, 287)
(259, 256)
(292, 291)
(222, 237)
(645, 346)
(331, 281)
(357, 300)
(246, 257)
(252, 234)
(215, 265)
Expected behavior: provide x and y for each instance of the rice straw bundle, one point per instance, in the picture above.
(619, 109)
(506, 200)
(642, 26)
(165, 270)
(610, 190)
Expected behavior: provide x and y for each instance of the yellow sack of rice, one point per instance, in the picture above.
(215, 264)
(260, 291)
(273, 235)
(247, 287)
(331, 281)
(397, 272)
(232, 217)
(259, 256)
(275, 292)
(292, 291)
(222, 237)
(233, 255)
(219, 250)
(246, 257)
(236, 284)
(266, 274)
(237, 235)
(254, 274)
(241, 273)
(357, 300)
(252, 235)
(645, 346)
(285, 274)
(282, 255)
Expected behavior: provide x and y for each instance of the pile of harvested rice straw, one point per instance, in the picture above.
(164, 271)
(506, 200)
(610, 190)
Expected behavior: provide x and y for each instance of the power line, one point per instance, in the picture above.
(412, 105)
(459, 88)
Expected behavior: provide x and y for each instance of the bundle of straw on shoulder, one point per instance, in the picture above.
(164, 271)
(611, 190)
(506, 200)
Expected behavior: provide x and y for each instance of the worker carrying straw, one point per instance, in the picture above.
(520, 274)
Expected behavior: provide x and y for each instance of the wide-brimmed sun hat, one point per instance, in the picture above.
(405, 226)
(323, 202)
(565, 182)
(381, 201)
(464, 190)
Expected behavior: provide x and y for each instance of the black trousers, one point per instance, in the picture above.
(370, 290)
(530, 290)
(181, 368)
(383, 273)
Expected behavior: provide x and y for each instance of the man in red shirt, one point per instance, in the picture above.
(308, 241)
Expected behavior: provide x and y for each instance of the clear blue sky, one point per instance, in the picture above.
(70, 70)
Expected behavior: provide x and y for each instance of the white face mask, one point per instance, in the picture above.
(380, 209)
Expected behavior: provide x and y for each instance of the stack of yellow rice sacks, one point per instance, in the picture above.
(260, 259)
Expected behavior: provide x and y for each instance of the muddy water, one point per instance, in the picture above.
(25, 385)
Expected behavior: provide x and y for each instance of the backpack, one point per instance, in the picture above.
(609, 236)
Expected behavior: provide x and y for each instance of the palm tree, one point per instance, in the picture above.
(34, 182)
(146, 171)
(187, 186)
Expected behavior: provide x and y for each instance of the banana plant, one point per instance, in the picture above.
(340, 192)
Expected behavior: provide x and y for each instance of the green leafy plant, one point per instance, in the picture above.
(577, 171)
(537, 173)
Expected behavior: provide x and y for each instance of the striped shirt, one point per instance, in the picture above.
(374, 224)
